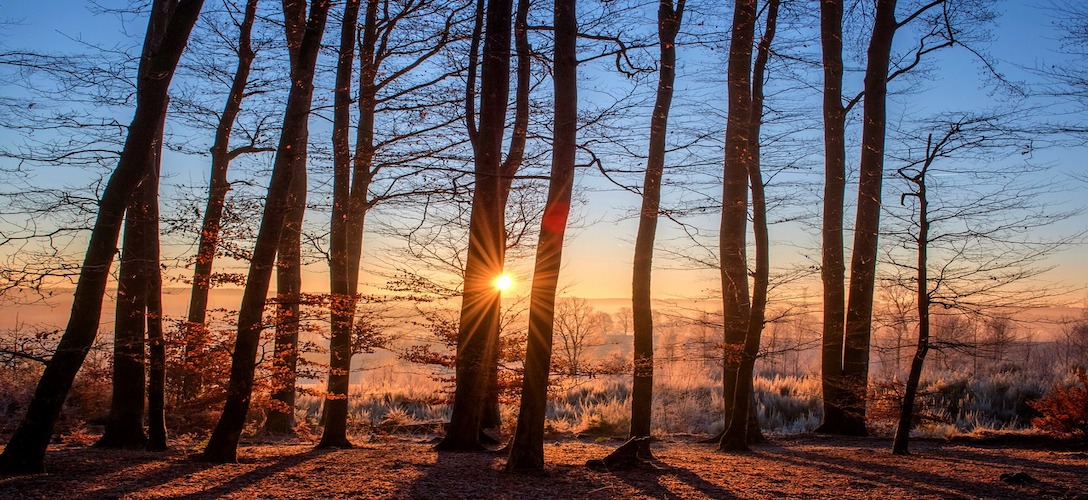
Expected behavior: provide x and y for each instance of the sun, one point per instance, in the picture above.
(504, 282)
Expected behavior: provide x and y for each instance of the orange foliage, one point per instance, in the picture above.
(1065, 410)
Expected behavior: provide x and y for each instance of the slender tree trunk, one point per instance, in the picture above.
(281, 416)
(156, 380)
(859, 310)
(761, 239)
(492, 418)
(196, 331)
(480, 300)
(137, 281)
(735, 301)
(740, 431)
(669, 19)
(901, 442)
(125, 426)
(168, 31)
(342, 305)
(223, 444)
(832, 269)
(156, 373)
(527, 448)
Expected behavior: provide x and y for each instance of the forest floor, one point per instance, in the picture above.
(386, 466)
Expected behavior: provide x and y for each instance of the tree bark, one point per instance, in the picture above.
(527, 448)
(342, 304)
(744, 426)
(223, 444)
(492, 417)
(859, 310)
(736, 307)
(168, 31)
(125, 425)
(156, 373)
(832, 269)
(669, 18)
(480, 300)
(196, 331)
(281, 415)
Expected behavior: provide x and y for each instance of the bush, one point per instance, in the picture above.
(1064, 412)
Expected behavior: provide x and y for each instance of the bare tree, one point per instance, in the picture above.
(136, 285)
(484, 262)
(741, 426)
(218, 187)
(669, 19)
(1074, 341)
(222, 446)
(527, 448)
(972, 253)
(578, 327)
(939, 24)
(168, 31)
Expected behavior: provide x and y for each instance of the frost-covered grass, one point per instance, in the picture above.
(688, 400)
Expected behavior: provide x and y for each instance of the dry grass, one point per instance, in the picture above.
(391, 467)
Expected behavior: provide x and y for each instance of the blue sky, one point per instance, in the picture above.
(598, 257)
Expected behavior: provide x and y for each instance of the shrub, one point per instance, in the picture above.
(1064, 412)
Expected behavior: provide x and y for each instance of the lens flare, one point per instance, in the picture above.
(504, 282)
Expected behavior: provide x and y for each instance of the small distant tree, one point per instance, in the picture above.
(999, 337)
(896, 319)
(623, 317)
(578, 327)
(1074, 342)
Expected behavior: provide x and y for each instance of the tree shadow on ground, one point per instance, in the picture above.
(648, 481)
(923, 481)
(481, 475)
(96, 473)
(102, 472)
(278, 465)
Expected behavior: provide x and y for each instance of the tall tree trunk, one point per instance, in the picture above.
(342, 305)
(480, 301)
(527, 448)
(281, 416)
(743, 427)
(136, 282)
(492, 417)
(196, 331)
(761, 238)
(223, 444)
(859, 310)
(832, 269)
(156, 373)
(125, 425)
(669, 19)
(168, 31)
(736, 307)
